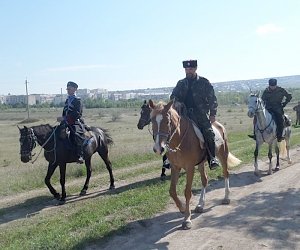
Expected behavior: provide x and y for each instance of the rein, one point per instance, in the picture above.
(48, 151)
(260, 109)
(178, 146)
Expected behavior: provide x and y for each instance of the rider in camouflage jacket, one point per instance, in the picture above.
(198, 95)
(273, 97)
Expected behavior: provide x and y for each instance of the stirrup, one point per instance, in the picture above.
(252, 136)
(213, 164)
(80, 160)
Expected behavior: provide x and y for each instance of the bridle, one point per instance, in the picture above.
(169, 135)
(259, 109)
(31, 138)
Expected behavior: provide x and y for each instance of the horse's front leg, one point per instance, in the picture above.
(62, 170)
(50, 171)
(187, 223)
(172, 191)
(88, 176)
(200, 206)
(256, 171)
(270, 155)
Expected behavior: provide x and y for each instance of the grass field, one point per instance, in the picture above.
(94, 219)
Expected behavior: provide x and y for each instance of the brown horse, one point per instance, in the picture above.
(185, 150)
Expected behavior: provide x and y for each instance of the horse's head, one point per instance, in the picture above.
(145, 115)
(27, 143)
(253, 104)
(161, 125)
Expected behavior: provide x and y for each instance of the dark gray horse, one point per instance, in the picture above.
(145, 120)
(58, 151)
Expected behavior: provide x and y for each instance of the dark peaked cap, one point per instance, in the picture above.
(189, 64)
(72, 84)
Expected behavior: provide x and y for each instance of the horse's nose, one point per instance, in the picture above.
(24, 159)
(139, 127)
(250, 114)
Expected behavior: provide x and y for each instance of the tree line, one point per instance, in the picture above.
(224, 98)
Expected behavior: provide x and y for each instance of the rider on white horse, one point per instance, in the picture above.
(275, 98)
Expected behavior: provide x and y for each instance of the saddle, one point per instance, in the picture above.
(218, 137)
(65, 134)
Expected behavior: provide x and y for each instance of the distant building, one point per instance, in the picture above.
(16, 99)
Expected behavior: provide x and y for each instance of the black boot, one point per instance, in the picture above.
(252, 136)
(213, 163)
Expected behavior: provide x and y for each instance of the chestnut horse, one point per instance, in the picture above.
(185, 149)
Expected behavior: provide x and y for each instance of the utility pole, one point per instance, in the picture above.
(26, 82)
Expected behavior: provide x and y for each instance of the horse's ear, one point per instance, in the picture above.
(18, 127)
(145, 102)
(168, 106)
(151, 104)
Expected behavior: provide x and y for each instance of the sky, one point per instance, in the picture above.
(138, 44)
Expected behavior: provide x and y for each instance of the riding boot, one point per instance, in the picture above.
(79, 152)
(213, 163)
(253, 136)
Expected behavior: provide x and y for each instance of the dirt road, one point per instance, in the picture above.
(264, 213)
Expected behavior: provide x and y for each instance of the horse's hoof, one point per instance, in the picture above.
(57, 196)
(82, 193)
(61, 201)
(289, 161)
(163, 177)
(111, 187)
(186, 225)
(199, 209)
(226, 201)
(276, 169)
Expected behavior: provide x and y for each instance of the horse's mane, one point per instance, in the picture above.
(158, 108)
(43, 128)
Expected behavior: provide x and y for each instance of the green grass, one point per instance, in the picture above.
(100, 215)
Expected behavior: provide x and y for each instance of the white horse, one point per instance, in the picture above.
(265, 131)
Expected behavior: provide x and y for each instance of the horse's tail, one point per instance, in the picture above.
(232, 161)
(103, 136)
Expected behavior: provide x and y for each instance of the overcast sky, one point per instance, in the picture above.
(131, 44)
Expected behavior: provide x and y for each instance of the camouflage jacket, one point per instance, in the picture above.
(72, 111)
(203, 93)
(274, 99)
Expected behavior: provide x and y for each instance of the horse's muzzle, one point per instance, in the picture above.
(250, 114)
(25, 159)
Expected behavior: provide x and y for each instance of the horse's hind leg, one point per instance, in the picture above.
(200, 206)
(62, 170)
(88, 176)
(277, 159)
(103, 152)
(223, 156)
(50, 171)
